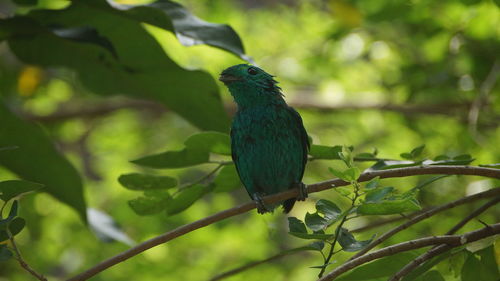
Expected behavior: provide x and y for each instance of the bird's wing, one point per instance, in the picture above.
(302, 134)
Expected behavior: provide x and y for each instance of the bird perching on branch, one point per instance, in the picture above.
(268, 141)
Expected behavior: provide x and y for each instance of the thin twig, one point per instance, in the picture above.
(249, 265)
(339, 228)
(387, 221)
(23, 263)
(391, 173)
(452, 240)
(441, 248)
(425, 215)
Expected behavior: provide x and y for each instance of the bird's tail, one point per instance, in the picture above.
(288, 205)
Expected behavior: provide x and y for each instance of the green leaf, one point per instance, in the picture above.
(37, 160)
(339, 174)
(185, 198)
(136, 181)
(380, 268)
(5, 253)
(373, 183)
(392, 164)
(12, 188)
(84, 34)
(406, 155)
(143, 69)
(417, 151)
(352, 174)
(214, 142)
(349, 243)
(227, 179)
(480, 266)
(378, 194)
(296, 226)
(190, 30)
(389, 207)
(315, 221)
(325, 152)
(330, 210)
(144, 206)
(344, 191)
(173, 159)
(15, 226)
(365, 156)
(4, 223)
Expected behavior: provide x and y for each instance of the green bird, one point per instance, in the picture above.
(268, 141)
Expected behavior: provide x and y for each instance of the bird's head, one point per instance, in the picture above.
(249, 84)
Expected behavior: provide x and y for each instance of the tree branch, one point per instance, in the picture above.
(450, 240)
(425, 215)
(163, 238)
(444, 247)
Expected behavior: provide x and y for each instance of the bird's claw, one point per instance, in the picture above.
(261, 206)
(302, 191)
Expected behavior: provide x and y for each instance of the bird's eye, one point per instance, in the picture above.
(252, 71)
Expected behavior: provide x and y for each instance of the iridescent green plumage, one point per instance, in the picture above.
(268, 140)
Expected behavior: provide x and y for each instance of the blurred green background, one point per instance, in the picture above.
(390, 75)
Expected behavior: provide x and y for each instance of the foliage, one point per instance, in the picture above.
(131, 122)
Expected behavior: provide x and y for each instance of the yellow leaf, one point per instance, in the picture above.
(346, 13)
(29, 80)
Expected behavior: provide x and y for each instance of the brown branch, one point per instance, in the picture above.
(387, 221)
(23, 263)
(444, 247)
(163, 238)
(425, 215)
(451, 240)
(249, 265)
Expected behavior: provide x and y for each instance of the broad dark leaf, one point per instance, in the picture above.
(143, 68)
(15, 226)
(185, 198)
(144, 206)
(330, 210)
(481, 267)
(378, 194)
(295, 225)
(173, 159)
(136, 181)
(349, 243)
(190, 30)
(37, 160)
(389, 206)
(5, 254)
(12, 188)
(315, 221)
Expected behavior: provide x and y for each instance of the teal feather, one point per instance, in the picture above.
(268, 140)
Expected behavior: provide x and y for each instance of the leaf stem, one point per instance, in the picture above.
(21, 261)
(339, 227)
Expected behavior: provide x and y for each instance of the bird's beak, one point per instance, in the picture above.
(226, 78)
